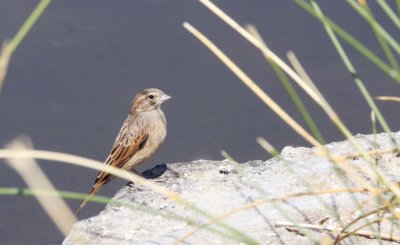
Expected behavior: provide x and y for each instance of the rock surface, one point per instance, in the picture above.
(217, 187)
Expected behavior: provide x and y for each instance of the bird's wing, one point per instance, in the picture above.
(125, 147)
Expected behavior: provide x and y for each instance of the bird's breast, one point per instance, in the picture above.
(157, 131)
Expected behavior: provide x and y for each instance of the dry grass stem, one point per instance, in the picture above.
(5, 56)
(322, 192)
(355, 170)
(321, 101)
(252, 85)
(352, 171)
(362, 217)
(264, 201)
(35, 178)
(88, 163)
(269, 102)
(219, 218)
(350, 233)
(373, 118)
(344, 234)
(388, 98)
(358, 172)
(302, 72)
(330, 228)
(377, 152)
(271, 55)
(268, 147)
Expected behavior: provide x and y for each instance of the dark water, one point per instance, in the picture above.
(71, 82)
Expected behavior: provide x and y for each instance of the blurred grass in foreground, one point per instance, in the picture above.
(385, 193)
(10, 46)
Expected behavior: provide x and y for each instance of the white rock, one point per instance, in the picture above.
(200, 183)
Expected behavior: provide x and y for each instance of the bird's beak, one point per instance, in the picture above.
(165, 97)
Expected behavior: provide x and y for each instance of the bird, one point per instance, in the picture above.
(141, 135)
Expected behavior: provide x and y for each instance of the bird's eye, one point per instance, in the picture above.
(151, 96)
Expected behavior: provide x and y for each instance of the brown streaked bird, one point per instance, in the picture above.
(142, 133)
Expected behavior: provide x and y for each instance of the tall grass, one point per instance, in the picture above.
(9, 46)
(377, 185)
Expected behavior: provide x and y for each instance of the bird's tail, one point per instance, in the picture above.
(96, 187)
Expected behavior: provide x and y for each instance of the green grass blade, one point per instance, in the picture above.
(390, 13)
(388, 52)
(354, 74)
(375, 25)
(289, 88)
(27, 26)
(9, 47)
(298, 102)
(352, 41)
(398, 6)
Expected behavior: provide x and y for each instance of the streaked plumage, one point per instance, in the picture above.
(142, 133)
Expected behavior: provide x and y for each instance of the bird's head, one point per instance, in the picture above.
(148, 100)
